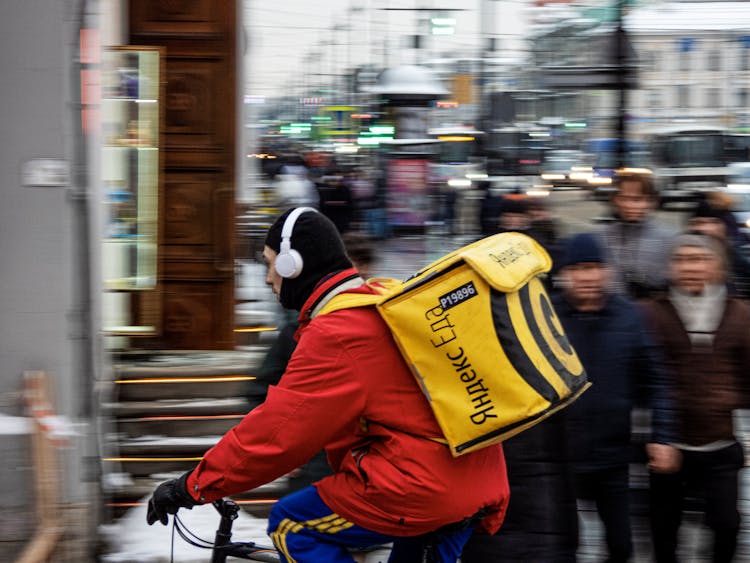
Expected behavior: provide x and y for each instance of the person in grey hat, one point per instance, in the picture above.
(706, 338)
(712, 217)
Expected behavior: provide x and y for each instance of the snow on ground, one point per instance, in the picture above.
(132, 540)
(15, 424)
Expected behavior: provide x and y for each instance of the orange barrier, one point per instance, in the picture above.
(46, 439)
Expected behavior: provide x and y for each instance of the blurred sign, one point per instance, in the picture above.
(463, 88)
(45, 173)
(407, 192)
(609, 72)
(442, 24)
(592, 78)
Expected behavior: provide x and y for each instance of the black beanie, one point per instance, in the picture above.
(514, 205)
(583, 247)
(705, 209)
(318, 241)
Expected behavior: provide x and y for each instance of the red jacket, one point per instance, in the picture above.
(347, 390)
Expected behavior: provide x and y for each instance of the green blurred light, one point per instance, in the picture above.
(576, 125)
(372, 141)
(382, 129)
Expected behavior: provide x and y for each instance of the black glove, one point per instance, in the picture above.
(168, 498)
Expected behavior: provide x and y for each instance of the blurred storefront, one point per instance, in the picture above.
(118, 220)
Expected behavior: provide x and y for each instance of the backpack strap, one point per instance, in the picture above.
(352, 300)
(349, 301)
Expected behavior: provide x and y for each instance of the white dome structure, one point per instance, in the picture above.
(408, 82)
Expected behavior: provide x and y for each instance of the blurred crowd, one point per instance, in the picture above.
(659, 318)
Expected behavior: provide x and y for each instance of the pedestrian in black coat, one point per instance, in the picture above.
(612, 340)
(540, 524)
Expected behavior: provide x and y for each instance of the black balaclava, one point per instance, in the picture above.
(318, 241)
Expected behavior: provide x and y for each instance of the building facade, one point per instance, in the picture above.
(692, 61)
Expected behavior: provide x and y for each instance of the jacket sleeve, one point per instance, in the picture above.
(317, 397)
(655, 382)
(744, 355)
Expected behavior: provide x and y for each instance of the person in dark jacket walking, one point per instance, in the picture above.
(610, 335)
(706, 336)
(541, 521)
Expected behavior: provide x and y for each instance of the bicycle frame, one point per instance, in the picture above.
(223, 545)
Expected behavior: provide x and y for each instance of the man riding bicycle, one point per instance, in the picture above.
(347, 390)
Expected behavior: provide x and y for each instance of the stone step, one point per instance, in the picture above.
(170, 407)
(210, 387)
(257, 502)
(185, 375)
(142, 466)
(178, 407)
(178, 425)
(166, 446)
(140, 487)
(139, 364)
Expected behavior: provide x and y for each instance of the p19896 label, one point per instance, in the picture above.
(457, 296)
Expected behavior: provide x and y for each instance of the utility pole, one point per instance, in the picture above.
(486, 28)
(349, 75)
(622, 86)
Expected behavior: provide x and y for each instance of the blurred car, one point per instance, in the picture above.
(529, 186)
(741, 207)
(738, 173)
(738, 188)
(564, 169)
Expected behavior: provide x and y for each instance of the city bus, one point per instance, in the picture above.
(457, 155)
(690, 160)
(515, 151)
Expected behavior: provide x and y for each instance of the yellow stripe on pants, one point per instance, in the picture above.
(330, 524)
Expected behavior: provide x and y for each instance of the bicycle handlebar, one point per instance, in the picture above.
(223, 545)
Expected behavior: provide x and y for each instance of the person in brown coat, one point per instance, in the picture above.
(706, 337)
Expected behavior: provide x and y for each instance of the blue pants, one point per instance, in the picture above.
(305, 530)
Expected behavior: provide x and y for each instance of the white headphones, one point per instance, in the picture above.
(288, 262)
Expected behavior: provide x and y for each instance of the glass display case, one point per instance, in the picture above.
(132, 95)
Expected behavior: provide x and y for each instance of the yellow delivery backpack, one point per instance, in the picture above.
(479, 334)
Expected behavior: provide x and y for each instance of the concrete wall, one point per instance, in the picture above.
(35, 222)
(38, 324)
